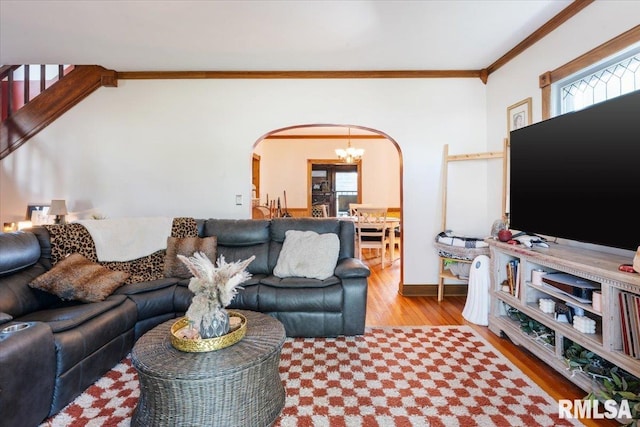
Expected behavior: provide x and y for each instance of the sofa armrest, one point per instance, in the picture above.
(349, 268)
(28, 361)
(5, 317)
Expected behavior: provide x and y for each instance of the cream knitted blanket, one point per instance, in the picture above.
(126, 239)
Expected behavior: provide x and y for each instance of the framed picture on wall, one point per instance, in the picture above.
(519, 115)
(38, 214)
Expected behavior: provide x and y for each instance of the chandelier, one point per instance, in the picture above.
(350, 154)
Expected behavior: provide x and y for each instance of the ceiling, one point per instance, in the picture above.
(268, 35)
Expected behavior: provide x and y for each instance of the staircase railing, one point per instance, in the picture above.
(22, 83)
(29, 107)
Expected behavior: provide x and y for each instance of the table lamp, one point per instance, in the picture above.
(59, 209)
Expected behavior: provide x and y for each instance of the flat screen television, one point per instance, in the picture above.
(577, 176)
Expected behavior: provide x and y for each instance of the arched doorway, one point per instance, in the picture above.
(284, 158)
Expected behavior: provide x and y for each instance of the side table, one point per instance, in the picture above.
(236, 386)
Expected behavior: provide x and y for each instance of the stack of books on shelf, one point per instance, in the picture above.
(630, 322)
(512, 283)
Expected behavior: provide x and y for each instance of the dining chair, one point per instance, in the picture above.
(372, 230)
(396, 230)
(260, 212)
(319, 211)
(354, 206)
(397, 238)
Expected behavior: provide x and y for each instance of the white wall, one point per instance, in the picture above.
(184, 147)
(599, 22)
(284, 168)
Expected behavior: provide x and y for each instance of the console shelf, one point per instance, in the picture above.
(600, 267)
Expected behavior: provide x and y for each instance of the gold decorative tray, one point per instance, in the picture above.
(209, 344)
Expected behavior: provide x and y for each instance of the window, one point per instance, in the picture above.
(612, 77)
(593, 76)
(346, 190)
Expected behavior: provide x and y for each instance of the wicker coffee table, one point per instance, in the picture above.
(236, 386)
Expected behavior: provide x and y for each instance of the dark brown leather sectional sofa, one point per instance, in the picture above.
(51, 350)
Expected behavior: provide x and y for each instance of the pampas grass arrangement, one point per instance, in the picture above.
(213, 287)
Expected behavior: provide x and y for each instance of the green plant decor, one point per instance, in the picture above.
(609, 382)
(532, 327)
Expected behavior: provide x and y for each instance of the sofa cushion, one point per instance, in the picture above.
(343, 228)
(18, 299)
(19, 251)
(77, 278)
(280, 226)
(68, 315)
(308, 254)
(327, 299)
(238, 232)
(298, 282)
(187, 246)
(238, 239)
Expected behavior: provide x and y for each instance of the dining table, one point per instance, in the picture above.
(391, 223)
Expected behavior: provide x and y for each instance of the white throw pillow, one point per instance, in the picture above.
(308, 254)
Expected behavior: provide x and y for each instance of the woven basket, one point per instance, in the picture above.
(458, 252)
(207, 344)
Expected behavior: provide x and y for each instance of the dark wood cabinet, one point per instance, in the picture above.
(322, 188)
(334, 185)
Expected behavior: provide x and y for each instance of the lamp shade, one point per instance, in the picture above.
(58, 207)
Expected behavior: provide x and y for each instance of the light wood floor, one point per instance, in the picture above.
(386, 307)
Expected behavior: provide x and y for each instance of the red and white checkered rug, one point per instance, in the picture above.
(393, 376)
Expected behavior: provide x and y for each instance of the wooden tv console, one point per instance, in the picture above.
(606, 342)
